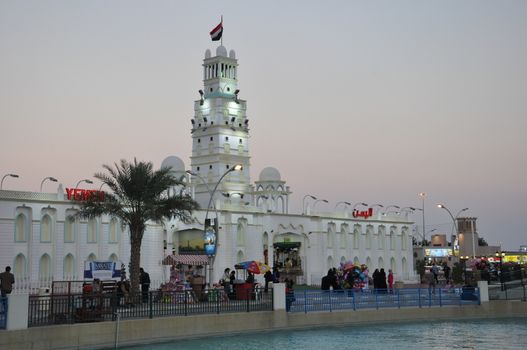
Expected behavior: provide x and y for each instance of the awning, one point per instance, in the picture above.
(286, 245)
(190, 259)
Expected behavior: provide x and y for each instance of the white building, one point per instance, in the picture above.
(39, 240)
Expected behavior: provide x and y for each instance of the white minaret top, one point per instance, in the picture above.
(220, 130)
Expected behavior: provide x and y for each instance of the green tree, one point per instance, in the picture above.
(420, 268)
(138, 195)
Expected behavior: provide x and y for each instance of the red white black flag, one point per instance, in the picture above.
(216, 33)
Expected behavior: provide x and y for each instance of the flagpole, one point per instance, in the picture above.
(221, 40)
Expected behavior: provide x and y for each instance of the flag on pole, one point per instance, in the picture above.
(216, 33)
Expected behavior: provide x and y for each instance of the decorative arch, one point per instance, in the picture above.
(393, 265)
(356, 260)
(342, 259)
(20, 266)
(404, 238)
(368, 262)
(113, 234)
(69, 267)
(69, 229)
(330, 263)
(344, 229)
(241, 231)
(44, 267)
(404, 266)
(240, 256)
(21, 228)
(356, 236)
(280, 206)
(45, 229)
(91, 257)
(382, 237)
(331, 235)
(92, 231)
(392, 237)
(380, 263)
(113, 257)
(369, 236)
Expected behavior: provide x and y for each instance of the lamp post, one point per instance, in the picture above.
(3, 178)
(50, 178)
(454, 226)
(88, 181)
(386, 211)
(346, 203)
(319, 200)
(501, 256)
(423, 195)
(359, 203)
(211, 231)
(304, 202)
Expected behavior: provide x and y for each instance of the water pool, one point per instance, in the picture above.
(510, 333)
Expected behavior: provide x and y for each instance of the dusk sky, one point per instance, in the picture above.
(371, 101)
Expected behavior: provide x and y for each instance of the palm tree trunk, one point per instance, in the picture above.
(136, 236)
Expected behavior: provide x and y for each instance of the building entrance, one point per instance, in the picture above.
(287, 259)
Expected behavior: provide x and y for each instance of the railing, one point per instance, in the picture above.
(3, 312)
(75, 308)
(317, 300)
(513, 290)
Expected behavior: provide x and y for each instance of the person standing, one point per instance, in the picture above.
(375, 278)
(7, 279)
(390, 280)
(144, 280)
(268, 276)
(382, 281)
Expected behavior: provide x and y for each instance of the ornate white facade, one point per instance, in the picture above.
(39, 241)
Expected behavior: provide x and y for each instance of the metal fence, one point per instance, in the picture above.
(75, 308)
(317, 300)
(3, 312)
(513, 290)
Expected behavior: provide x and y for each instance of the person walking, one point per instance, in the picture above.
(144, 280)
(382, 281)
(7, 279)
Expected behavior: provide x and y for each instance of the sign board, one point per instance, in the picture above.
(438, 252)
(103, 270)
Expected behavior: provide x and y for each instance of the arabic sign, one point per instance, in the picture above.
(364, 213)
(438, 252)
(79, 194)
(103, 270)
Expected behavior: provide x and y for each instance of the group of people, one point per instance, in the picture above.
(336, 279)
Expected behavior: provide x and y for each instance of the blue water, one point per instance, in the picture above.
(510, 333)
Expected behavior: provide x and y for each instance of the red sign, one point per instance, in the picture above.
(78, 194)
(364, 213)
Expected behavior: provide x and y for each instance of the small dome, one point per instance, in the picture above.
(207, 53)
(269, 174)
(232, 54)
(221, 51)
(174, 163)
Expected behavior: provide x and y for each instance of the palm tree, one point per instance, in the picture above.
(139, 194)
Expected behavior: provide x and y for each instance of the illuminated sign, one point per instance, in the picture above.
(210, 241)
(438, 252)
(364, 213)
(78, 194)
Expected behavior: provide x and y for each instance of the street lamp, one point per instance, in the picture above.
(423, 195)
(304, 202)
(88, 181)
(454, 227)
(234, 168)
(50, 178)
(359, 203)
(390, 206)
(6, 175)
(319, 200)
(346, 203)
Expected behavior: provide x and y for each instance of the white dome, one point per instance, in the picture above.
(269, 174)
(221, 51)
(207, 53)
(232, 54)
(174, 163)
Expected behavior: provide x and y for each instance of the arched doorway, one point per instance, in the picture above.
(289, 256)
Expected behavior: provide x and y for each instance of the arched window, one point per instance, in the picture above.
(113, 257)
(368, 262)
(382, 237)
(392, 238)
(45, 229)
(20, 267)
(69, 229)
(92, 257)
(240, 256)
(44, 268)
(380, 263)
(356, 261)
(404, 238)
(21, 228)
(241, 231)
(331, 236)
(330, 262)
(404, 266)
(344, 236)
(69, 267)
(113, 234)
(92, 231)
(369, 236)
(356, 237)
(392, 265)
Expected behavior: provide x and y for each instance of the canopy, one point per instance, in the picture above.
(253, 266)
(190, 259)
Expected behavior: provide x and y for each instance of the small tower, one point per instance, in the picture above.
(271, 193)
(220, 129)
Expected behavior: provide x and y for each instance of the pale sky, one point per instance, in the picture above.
(370, 101)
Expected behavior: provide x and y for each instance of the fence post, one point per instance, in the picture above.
(419, 295)
(150, 305)
(377, 301)
(186, 302)
(218, 294)
(248, 296)
(305, 301)
(429, 297)
(329, 296)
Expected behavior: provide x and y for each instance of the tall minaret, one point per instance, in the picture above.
(220, 130)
